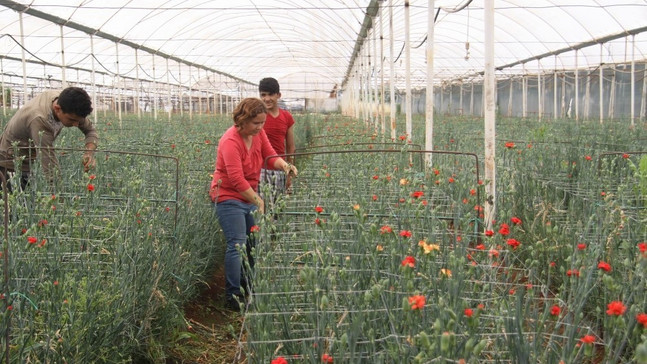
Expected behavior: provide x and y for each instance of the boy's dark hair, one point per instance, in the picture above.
(270, 85)
(74, 100)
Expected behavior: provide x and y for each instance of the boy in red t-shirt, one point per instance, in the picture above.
(279, 126)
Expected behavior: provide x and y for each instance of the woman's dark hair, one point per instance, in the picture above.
(248, 109)
(74, 100)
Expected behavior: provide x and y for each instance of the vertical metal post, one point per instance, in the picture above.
(391, 71)
(180, 89)
(407, 62)
(577, 88)
(24, 61)
(220, 94)
(364, 83)
(565, 108)
(524, 93)
(555, 90)
(153, 90)
(643, 98)
(601, 84)
(4, 95)
(472, 99)
(540, 107)
(429, 95)
(63, 80)
(118, 81)
(382, 118)
(199, 94)
(103, 83)
(510, 96)
(190, 95)
(168, 90)
(137, 86)
(489, 84)
(632, 87)
(94, 81)
(376, 96)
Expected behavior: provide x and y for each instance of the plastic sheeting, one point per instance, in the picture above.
(307, 45)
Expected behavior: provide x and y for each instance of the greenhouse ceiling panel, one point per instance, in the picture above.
(312, 47)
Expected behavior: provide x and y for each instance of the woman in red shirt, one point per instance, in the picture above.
(241, 152)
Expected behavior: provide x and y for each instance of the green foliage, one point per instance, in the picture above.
(119, 262)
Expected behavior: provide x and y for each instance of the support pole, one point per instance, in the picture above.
(577, 88)
(63, 79)
(429, 101)
(601, 102)
(169, 106)
(117, 83)
(490, 132)
(540, 107)
(137, 86)
(4, 95)
(24, 62)
(153, 91)
(632, 87)
(382, 118)
(391, 72)
(407, 62)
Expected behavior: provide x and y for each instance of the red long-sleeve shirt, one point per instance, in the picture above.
(238, 169)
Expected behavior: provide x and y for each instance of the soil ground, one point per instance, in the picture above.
(214, 329)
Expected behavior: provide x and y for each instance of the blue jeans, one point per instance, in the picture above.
(236, 220)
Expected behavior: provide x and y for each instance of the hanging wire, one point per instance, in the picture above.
(447, 10)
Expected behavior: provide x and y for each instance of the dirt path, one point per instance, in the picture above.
(214, 330)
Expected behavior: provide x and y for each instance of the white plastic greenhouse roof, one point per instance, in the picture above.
(311, 46)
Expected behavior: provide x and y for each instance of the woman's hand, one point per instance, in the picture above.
(290, 169)
(261, 207)
(260, 204)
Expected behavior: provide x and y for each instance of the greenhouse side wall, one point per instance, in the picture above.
(466, 98)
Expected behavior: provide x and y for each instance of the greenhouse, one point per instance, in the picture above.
(465, 181)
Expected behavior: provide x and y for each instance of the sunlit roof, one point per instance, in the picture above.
(309, 45)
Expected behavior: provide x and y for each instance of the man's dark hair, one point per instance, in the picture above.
(74, 100)
(270, 85)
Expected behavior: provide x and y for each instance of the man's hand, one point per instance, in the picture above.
(88, 161)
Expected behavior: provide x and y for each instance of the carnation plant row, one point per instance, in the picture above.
(374, 257)
(379, 253)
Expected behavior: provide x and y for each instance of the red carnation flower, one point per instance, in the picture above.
(642, 319)
(587, 339)
(405, 233)
(604, 266)
(409, 261)
(417, 302)
(504, 229)
(616, 308)
(514, 243)
(279, 360)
